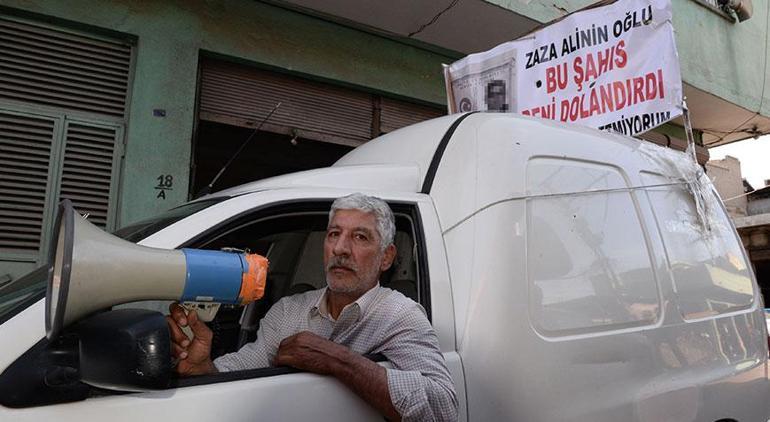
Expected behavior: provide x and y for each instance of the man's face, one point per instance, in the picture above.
(352, 255)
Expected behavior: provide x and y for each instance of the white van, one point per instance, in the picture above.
(568, 273)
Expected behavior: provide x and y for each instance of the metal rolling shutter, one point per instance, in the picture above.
(396, 114)
(243, 96)
(51, 67)
(25, 158)
(87, 170)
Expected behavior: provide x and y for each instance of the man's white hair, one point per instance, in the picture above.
(385, 222)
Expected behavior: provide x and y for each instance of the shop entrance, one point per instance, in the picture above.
(315, 124)
(266, 155)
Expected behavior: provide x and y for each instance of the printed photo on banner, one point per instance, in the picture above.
(483, 82)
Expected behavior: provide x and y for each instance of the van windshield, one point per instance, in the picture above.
(18, 294)
(22, 292)
(138, 231)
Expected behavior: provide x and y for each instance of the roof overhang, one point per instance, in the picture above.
(721, 121)
(459, 26)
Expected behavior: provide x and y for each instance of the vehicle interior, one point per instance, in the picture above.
(293, 243)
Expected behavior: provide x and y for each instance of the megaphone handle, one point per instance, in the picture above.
(188, 307)
(206, 310)
(188, 332)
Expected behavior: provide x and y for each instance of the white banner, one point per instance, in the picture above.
(611, 67)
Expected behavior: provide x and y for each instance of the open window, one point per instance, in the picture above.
(291, 236)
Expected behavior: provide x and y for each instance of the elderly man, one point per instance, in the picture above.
(326, 331)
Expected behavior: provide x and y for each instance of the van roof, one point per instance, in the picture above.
(397, 161)
(401, 161)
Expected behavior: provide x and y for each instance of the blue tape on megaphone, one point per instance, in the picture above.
(213, 276)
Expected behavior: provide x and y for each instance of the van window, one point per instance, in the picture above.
(711, 275)
(22, 292)
(292, 238)
(588, 263)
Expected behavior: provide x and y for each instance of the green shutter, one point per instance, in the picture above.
(89, 169)
(26, 151)
(54, 67)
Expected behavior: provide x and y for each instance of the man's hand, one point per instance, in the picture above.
(193, 356)
(309, 352)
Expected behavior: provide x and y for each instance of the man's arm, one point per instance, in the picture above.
(259, 353)
(417, 388)
(420, 385)
(312, 353)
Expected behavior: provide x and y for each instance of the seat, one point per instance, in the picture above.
(309, 273)
(403, 274)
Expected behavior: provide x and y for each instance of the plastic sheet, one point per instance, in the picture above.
(684, 168)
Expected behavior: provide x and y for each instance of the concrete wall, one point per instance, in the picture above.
(759, 206)
(723, 58)
(171, 34)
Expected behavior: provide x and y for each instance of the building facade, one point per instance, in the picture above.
(727, 178)
(130, 108)
(749, 210)
(754, 229)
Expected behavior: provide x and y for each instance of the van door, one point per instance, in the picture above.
(288, 227)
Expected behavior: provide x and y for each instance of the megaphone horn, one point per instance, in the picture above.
(91, 270)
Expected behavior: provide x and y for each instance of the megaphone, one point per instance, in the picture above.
(91, 270)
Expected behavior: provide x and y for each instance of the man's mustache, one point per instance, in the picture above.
(341, 262)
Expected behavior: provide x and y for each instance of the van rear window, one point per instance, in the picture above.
(709, 269)
(588, 263)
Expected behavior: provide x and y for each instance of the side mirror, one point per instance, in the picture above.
(125, 350)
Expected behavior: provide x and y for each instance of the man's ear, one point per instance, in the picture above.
(387, 257)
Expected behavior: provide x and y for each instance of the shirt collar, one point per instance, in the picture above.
(360, 305)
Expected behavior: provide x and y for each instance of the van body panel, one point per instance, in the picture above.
(632, 357)
(271, 399)
(415, 144)
(453, 189)
(442, 311)
(460, 255)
